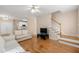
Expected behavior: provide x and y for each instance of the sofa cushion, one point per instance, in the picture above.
(9, 37)
(25, 32)
(18, 32)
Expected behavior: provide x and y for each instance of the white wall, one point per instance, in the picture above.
(32, 25)
(43, 21)
(78, 21)
(68, 22)
(67, 19)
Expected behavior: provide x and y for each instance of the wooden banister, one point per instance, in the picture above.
(54, 19)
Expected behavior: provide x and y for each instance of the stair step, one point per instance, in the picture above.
(70, 40)
(70, 44)
(70, 37)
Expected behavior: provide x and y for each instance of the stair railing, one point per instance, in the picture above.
(54, 19)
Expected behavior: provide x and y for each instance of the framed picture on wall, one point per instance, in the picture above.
(22, 25)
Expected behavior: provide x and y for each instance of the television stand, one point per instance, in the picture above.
(43, 36)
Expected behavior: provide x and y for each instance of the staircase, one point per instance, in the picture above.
(70, 40)
(55, 33)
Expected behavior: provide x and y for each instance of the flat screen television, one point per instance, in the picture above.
(43, 30)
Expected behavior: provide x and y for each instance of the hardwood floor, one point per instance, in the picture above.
(35, 45)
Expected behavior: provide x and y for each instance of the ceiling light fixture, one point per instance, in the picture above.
(34, 9)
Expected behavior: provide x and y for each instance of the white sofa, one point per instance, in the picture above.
(8, 44)
(22, 35)
(2, 44)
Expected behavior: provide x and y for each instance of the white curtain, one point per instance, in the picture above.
(6, 28)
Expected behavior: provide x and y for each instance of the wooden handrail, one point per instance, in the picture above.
(57, 23)
(53, 16)
(55, 20)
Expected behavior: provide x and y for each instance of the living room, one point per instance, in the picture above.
(35, 28)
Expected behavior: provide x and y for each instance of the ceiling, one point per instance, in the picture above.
(22, 10)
